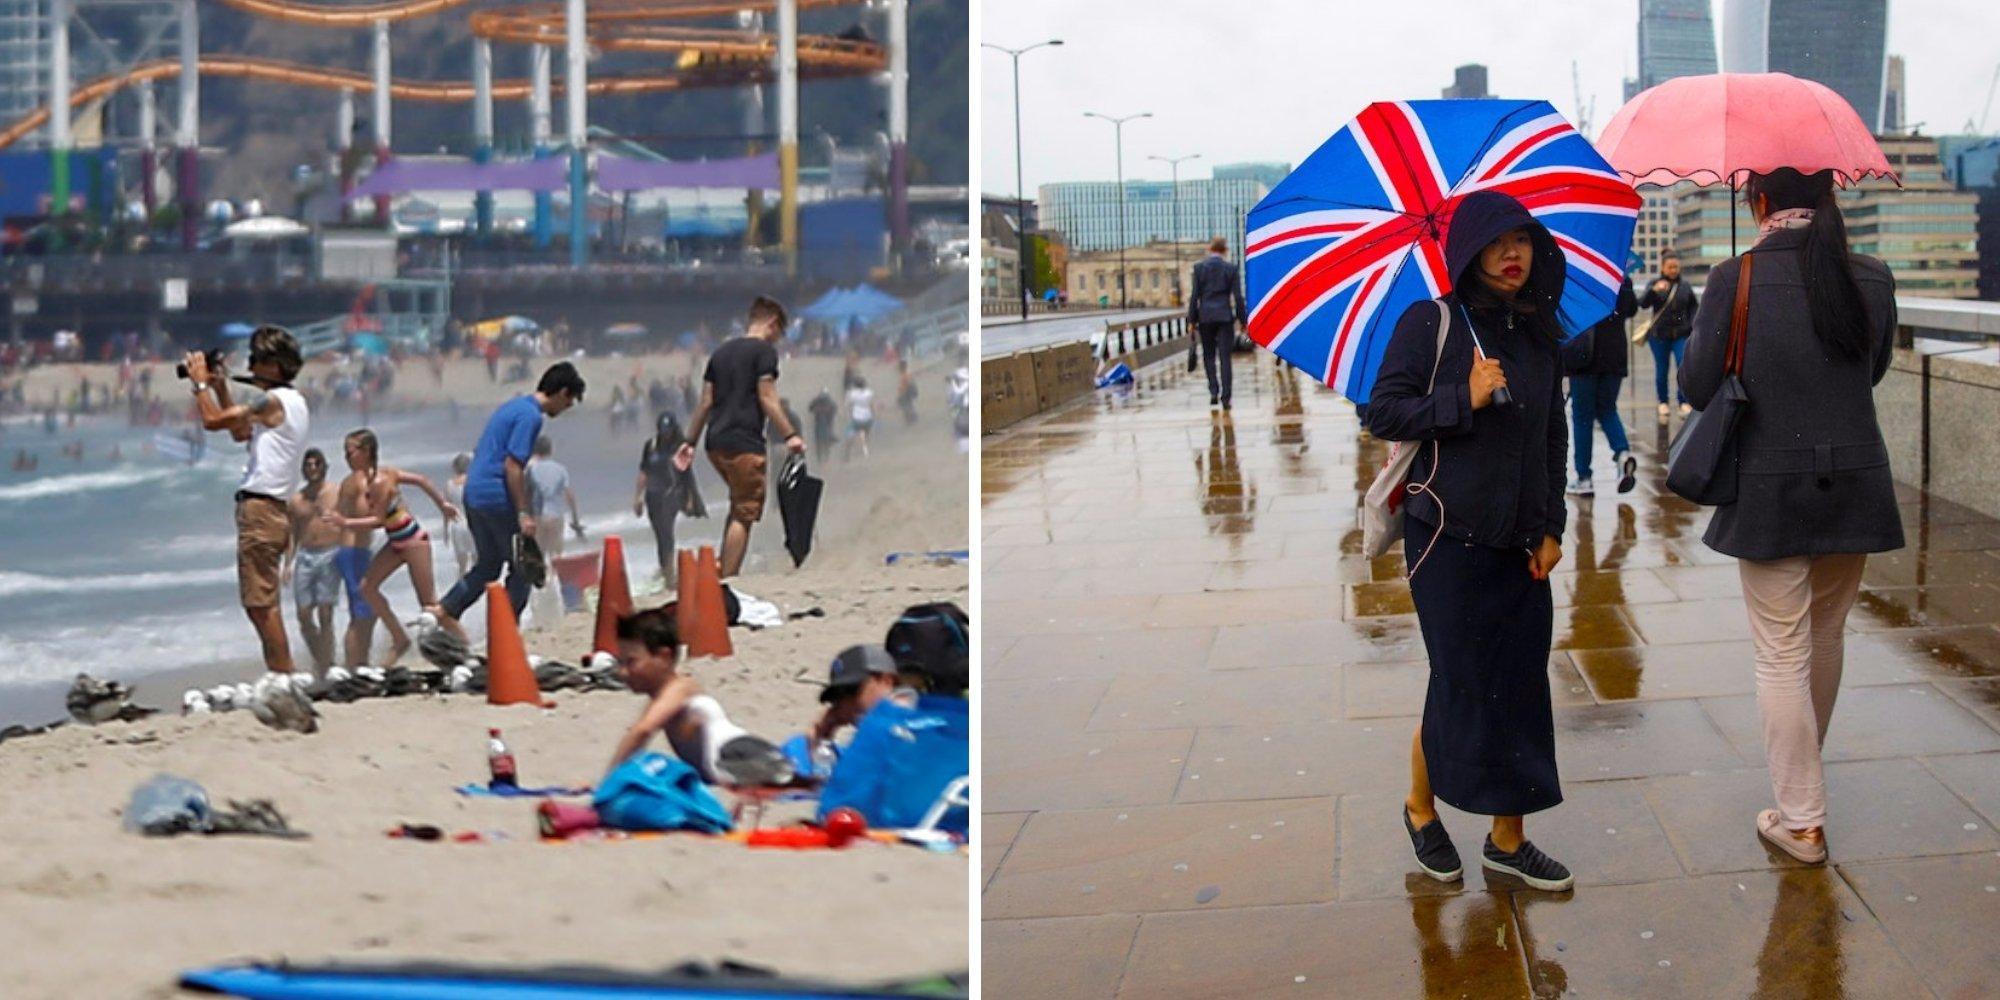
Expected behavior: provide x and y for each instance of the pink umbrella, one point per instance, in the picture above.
(1713, 129)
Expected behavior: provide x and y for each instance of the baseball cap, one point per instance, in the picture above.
(852, 668)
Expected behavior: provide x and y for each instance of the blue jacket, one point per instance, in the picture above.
(900, 761)
(1217, 293)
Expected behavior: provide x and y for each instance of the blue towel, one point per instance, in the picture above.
(652, 791)
(517, 792)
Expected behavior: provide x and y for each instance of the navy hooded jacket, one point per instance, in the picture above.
(1500, 470)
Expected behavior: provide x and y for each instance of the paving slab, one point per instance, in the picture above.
(1463, 945)
(1157, 858)
(1056, 959)
(1797, 933)
(1944, 913)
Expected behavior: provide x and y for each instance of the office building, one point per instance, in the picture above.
(1267, 174)
(1840, 43)
(1893, 109)
(1151, 269)
(1676, 38)
(999, 268)
(1653, 237)
(1087, 212)
(1467, 81)
(1925, 231)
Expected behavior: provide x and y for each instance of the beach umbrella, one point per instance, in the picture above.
(266, 227)
(1719, 127)
(1347, 241)
(237, 331)
(798, 505)
(623, 331)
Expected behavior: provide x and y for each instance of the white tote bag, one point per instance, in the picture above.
(1382, 507)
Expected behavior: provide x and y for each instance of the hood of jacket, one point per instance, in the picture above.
(1484, 216)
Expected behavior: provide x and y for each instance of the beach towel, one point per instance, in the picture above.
(900, 761)
(653, 791)
(517, 792)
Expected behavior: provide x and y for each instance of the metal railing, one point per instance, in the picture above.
(1134, 336)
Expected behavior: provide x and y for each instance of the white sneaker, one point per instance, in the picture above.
(1581, 487)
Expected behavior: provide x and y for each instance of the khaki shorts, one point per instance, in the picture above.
(262, 529)
(744, 472)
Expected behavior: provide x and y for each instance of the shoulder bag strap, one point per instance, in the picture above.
(1444, 327)
(1739, 318)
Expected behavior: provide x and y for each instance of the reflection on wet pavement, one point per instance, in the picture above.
(1197, 705)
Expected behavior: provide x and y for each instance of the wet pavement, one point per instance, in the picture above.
(1198, 699)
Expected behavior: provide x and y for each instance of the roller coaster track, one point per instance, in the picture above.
(720, 57)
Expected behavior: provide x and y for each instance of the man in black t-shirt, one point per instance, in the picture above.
(739, 393)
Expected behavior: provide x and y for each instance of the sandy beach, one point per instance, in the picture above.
(94, 911)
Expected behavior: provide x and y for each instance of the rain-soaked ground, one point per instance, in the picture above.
(1198, 701)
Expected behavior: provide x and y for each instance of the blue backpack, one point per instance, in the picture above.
(653, 791)
(900, 761)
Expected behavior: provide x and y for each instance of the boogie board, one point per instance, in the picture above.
(444, 982)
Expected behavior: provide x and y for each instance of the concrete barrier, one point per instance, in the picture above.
(1013, 387)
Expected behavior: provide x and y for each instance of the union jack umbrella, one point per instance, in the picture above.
(1346, 242)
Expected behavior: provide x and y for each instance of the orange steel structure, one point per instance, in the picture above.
(724, 58)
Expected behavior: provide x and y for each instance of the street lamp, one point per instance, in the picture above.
(1175, 163)
(1118, 127)
(1020, 193)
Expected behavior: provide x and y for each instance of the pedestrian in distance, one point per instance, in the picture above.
(666, 490)
(1673, 304)
(1814, 492)
(1596, 364)
(739, 393)
(1215, 307)
(1484, 528)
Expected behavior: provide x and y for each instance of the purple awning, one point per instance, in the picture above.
(619, 174)
(400, 176)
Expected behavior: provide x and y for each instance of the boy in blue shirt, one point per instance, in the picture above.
(498, 508)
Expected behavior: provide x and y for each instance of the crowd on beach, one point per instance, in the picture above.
(502, 514)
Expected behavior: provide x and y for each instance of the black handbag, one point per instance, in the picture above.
(1701, 464)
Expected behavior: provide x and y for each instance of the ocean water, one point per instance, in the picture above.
(125, 568)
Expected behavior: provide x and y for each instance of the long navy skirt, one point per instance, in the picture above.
(1489, 731)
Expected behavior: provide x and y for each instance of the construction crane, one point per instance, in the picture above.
(1583, 114)
(1988, 109)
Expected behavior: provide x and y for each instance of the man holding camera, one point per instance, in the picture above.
(273, 419)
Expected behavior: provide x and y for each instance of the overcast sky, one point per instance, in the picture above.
(1237, 80)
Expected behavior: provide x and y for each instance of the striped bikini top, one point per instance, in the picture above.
(400, 524)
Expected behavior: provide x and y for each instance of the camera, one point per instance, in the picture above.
(214, 356)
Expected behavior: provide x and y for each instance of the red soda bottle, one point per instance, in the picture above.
(499, 761)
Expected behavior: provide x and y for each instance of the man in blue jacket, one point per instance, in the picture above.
(1215, 306)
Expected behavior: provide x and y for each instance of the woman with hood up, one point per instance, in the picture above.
(1485, 518)
(666, 489)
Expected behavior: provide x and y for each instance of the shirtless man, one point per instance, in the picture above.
(309, 562)
(694, 724)
(355, 553)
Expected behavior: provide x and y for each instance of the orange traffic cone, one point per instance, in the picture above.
(614, 596)
(708, 631)
(684, 593)
(509, 679)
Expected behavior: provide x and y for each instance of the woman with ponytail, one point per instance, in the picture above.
(1814, 493)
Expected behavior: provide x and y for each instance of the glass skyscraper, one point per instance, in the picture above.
(1676, 38)
(1840, 43)
(1086, 212)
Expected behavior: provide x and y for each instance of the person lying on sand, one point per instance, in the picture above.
(696, 727)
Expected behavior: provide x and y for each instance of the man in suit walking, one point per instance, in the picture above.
(1215, 306)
